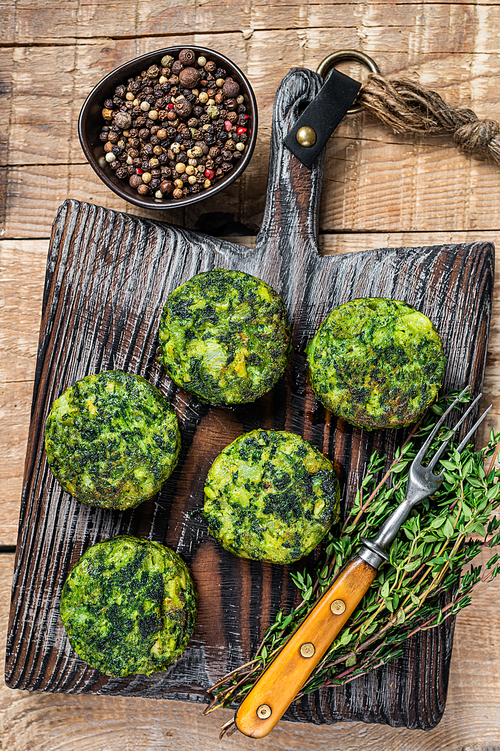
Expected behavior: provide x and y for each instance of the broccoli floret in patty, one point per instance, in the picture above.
(376, 362)
(112, 440)
(129, 606)
(271, 496)
(224, 336)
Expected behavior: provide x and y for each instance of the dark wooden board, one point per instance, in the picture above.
(108, 276)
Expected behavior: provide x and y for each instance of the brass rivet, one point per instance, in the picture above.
(264, 711)
(307, 649)
(337, 607)
(306, 136)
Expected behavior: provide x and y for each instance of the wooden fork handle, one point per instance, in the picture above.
(270, 697)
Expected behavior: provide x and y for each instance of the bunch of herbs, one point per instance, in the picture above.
(425, 581)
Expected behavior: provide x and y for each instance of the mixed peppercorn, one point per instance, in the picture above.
(177, 128)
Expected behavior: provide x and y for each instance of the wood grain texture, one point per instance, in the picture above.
(450, 46)
(22, 272)
(108, 277)
(35, 721)
(374, 179)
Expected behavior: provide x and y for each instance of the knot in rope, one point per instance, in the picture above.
(477, 135)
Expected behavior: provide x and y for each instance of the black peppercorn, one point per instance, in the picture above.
(189, 77)
(182, 108)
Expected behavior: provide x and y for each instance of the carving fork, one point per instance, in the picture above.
(269, 698)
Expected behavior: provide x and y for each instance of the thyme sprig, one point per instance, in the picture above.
(424, 583)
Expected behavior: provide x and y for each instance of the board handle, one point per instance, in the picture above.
(277, 687)
(293, 190)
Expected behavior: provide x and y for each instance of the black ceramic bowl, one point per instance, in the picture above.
(90, 124)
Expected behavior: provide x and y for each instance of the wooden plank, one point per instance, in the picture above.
(49, 722)
(441, 21)
(374, 180)
(22, 271)
(106, 268)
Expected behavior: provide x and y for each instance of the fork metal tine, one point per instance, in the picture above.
(473, 429)
(428, 442)
(453, 430)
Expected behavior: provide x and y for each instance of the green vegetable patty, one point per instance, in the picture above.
(224, 336)
(129, 606)
(376, 362)
(271, 496)
(112, 440)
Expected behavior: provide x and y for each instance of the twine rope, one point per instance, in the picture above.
(408, 107)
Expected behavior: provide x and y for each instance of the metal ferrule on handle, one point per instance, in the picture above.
(374, 551)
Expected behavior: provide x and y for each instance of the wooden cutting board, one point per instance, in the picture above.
(108, 276)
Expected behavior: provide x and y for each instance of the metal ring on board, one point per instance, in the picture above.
(328, 63)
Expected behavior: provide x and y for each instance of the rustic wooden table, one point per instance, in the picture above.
(380, 190)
